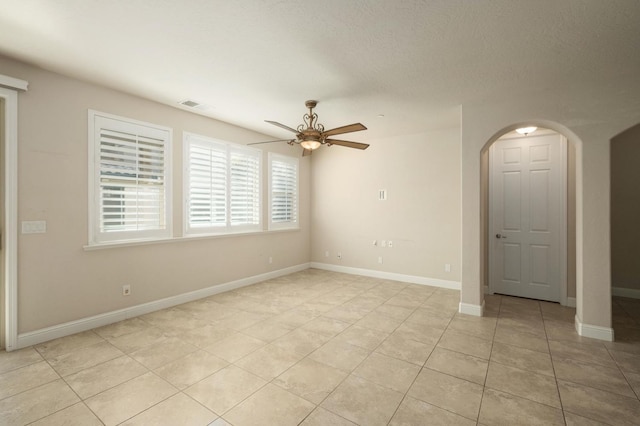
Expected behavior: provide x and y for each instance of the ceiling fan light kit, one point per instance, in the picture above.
(311, 134)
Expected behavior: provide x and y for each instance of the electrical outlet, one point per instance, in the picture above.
(126, 290)
(326, 253)
(380, 260)
(270, 260)
(340, 256)
(389, 243)
(447, 267)
(383, 243)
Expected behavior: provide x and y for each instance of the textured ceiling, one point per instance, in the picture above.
(414, 61)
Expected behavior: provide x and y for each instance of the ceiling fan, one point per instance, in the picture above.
(311, 135)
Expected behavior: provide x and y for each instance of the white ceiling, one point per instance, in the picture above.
(413, 61)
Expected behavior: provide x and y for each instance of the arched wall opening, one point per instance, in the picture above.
(573, 276)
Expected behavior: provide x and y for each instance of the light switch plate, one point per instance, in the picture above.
(34, 227)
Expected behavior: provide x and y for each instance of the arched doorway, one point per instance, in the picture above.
(564, 257)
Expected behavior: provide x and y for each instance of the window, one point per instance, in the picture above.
(130, 179)
(222, 186)
(283, 192)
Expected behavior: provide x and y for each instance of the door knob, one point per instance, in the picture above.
(500, 236)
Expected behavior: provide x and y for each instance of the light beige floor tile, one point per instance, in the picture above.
(378, 321)
(295, 318)
(388, 372)
(164, 352)
(242, 320)
(269, 362)
(424, 334)
(235, 347)
(429, 318)
(346, 314)
(522, 326)
(362, 337)
(576, 420)
(215, 312)
(522, 358)
(179, 410)
(404, 301)
(126, 400)
(634, 381)
(327, 326)
(101, 377)
(628, 362)
(75, 415)
(270, 405)
(121, 328)
(131, 342)
(526, 384)
(599, 405)
(457, 364)
(54, 348)
(526, 341)
(267, 331)
(397, 312)
(36, 403)
(581, 352)
(363, 402)
(322, 417)
(85, 357)
(340, 355)
(310, 380)
(596, 376)
(25, 378)
(20, 358)
(415, 412)
(225, 388)
(482, 327)
(409, 350)
(207, 335)
(220, 422)
(459, 396)
(460, 342)
(499, 408)
(301, 341)
(190, 369)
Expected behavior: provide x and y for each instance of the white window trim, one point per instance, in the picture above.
(228, 229)
(95, 237)
(284, 225)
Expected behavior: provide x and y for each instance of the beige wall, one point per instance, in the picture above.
(625, 209)
(421, 174)
(58, 281)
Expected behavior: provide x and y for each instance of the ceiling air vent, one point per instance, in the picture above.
(197, 105)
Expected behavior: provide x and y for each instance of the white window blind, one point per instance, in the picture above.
(130, 187)
(283, 191)
(222, 186)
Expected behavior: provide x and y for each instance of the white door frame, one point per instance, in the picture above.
(563, 221)
(8, 91)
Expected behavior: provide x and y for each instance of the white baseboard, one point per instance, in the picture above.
(571, 302)
(88, 323)
(470, 309)
(413, 279)
(632, 293)
(594, 331)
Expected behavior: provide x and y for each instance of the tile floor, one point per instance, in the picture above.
(321, 348)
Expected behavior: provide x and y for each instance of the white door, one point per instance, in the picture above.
(527, 216)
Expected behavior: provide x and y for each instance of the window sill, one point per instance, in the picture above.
(182, 239)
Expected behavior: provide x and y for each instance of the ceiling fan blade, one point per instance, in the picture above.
(278, 140)
(355, 127)
(348, 144)
(306, 152)
(275, 123)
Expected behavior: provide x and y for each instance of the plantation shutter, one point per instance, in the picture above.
(223, 186)
(245, 187)
(132, 178)
(207, 185)
(284, 191)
